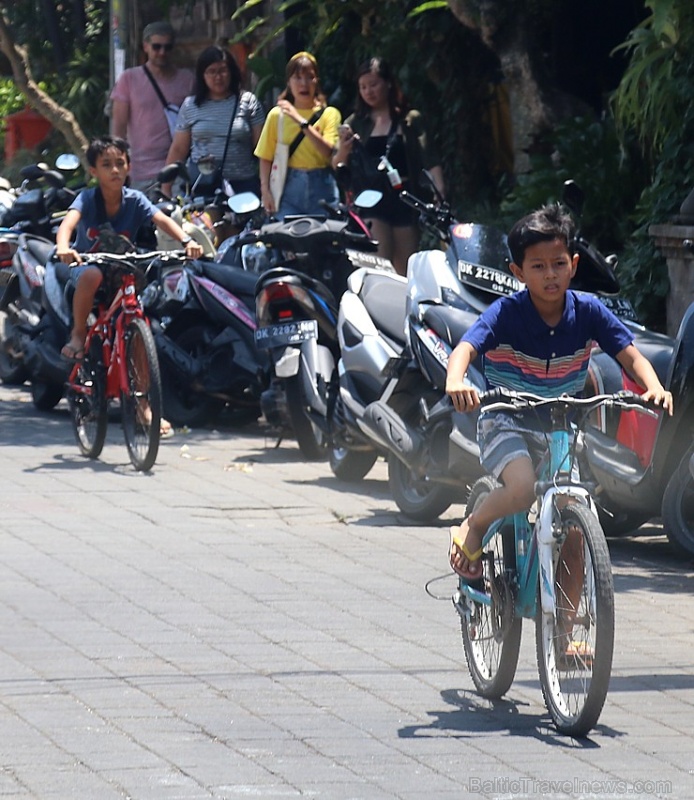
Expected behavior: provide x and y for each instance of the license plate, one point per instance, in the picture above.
(286, 333)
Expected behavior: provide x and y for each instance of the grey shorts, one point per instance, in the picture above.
(504, 438)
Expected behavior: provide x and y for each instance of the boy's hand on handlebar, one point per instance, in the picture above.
(659, 397)
(194, 250)
(68, 256)
(464, 396)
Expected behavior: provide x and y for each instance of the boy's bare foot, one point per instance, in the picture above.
(466, 551)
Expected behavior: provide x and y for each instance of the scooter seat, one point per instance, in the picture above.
(449, 323)
(658, 349)
(40, 249)
(385, 300)
(237, 280)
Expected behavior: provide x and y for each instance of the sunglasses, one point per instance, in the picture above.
(157, 46)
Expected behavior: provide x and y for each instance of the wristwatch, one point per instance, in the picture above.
(303, 125)
(186, 240)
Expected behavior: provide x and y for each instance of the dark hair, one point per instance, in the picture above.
(544, 225)
(103, 143)
(396, 100)
(298, 63)
(213, 55)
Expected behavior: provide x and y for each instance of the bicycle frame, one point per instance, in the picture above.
(534, 544)
(110, 326)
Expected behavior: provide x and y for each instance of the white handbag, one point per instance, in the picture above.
(278, 171)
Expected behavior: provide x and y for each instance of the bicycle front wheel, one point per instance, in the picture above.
(86, 397)
(492, 633)
(575, 645)
(141, 401)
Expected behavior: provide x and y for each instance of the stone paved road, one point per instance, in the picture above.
(239, 624)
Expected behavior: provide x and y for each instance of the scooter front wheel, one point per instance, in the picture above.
(678, 509)
(351, 465)
(421, 500)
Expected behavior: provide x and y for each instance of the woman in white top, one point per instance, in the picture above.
(204, 120)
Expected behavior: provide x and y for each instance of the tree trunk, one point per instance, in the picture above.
(504, 31)
(61, 118)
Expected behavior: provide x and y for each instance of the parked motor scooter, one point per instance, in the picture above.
(395, 337)
(26, 242)
(641, 465)
(395, 341)
(207, 219)
(201, 314)
(296, 309)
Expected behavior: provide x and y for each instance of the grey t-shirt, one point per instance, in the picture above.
(208, 125)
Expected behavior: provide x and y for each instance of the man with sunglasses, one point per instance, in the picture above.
(139, 99)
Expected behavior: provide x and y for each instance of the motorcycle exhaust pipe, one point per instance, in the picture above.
(389, 429)
(21, 316)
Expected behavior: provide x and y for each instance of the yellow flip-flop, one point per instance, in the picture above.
(472, 558)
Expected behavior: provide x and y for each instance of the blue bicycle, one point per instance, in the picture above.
(552, 565)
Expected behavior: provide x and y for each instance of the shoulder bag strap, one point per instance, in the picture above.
(391, 136)
(297, 139)
(231, 125)
(160, 95)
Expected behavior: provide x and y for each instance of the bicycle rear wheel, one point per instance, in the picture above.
(574, 646)
(87, 401)
(492, 634)
(141, 402)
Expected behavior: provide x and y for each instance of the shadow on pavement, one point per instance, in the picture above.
(471, 715)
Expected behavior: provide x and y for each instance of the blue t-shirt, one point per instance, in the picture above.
(523, 353)
(135, 210)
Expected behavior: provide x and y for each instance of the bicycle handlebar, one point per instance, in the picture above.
(508, 400)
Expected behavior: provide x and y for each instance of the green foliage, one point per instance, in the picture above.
(11, 99)
(75, 73)
(651, 97)
(654, 99)
(587, 151)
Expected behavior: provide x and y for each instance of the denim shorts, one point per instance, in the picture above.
(304, 189)
(504, 438)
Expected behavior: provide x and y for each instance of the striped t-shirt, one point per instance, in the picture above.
(523, 353)
(208, 124)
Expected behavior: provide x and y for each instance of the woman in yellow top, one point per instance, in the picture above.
(303, 109)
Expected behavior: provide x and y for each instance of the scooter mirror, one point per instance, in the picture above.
(169, 173)
(243, 203)
(32, 172)
(67, 162)
(573, 197)
(368, 198)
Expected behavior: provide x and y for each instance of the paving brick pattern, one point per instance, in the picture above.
(240, 624)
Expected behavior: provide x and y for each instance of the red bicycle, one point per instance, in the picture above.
(120, 362)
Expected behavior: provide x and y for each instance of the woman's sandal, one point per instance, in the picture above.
(473, 558)
(166, 430)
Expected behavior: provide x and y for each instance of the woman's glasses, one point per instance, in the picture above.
(167, 47)
(218, 72)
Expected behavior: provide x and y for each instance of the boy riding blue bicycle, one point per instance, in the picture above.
(538, 340)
